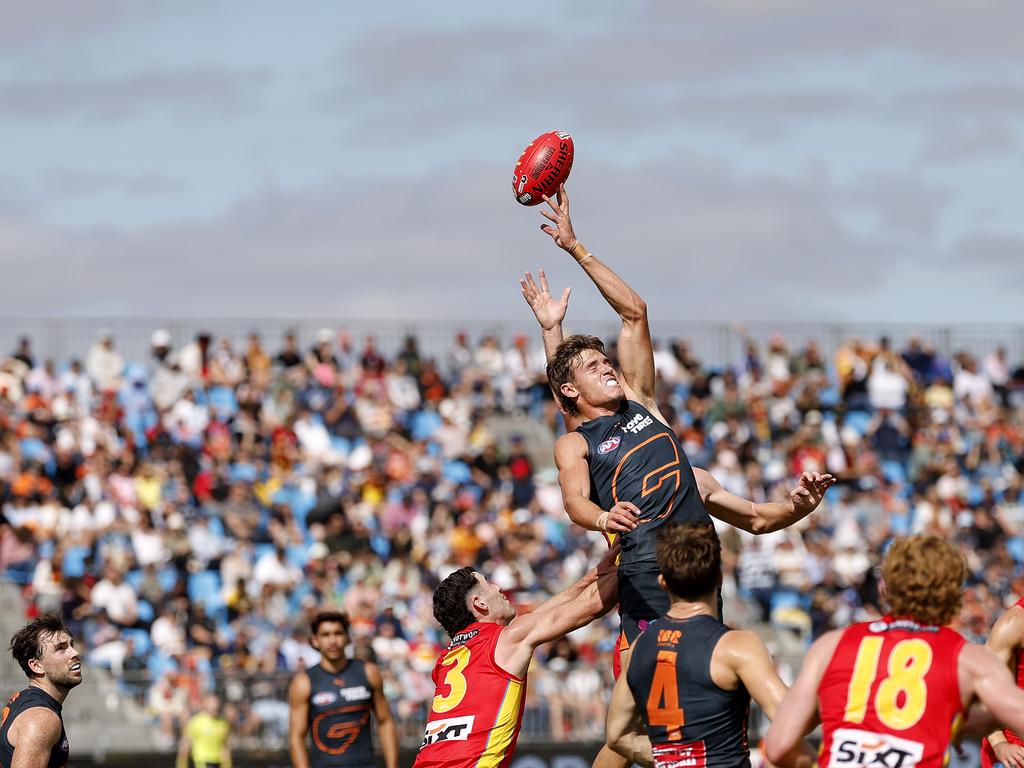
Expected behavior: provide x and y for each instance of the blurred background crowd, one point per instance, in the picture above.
(187, 513)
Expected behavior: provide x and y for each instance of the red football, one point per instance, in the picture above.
(543, 166)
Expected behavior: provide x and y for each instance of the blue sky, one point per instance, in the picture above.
(760, 160)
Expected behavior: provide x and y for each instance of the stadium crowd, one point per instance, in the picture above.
(189, 512)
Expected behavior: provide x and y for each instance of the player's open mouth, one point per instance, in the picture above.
(612, 383)
(76, 667)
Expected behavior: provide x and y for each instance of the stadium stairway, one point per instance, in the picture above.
(98, 718)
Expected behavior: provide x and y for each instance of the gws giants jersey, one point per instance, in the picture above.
(634, 457)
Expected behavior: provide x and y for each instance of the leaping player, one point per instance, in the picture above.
(621, 468)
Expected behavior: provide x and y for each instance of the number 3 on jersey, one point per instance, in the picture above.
(902, 696)
(455, 661)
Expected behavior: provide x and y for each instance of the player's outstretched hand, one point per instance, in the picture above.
(1010, 755)
(562, 232)
(621, 518)
(809, 491)
(548, 310)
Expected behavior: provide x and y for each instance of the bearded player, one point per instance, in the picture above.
(894, 691)
(334, 701)
(480, 678)
(621, 468)
(32, 728)
(1006, 641)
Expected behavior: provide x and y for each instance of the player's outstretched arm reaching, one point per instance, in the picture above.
(588, 599)
(636, 357)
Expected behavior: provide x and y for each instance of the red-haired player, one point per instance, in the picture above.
(894, 691)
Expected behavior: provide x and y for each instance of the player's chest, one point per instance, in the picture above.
(339, 692)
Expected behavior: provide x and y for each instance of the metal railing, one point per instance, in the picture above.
(62, 339)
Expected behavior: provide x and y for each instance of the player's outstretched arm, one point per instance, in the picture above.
(298, 719)
(798, 713)
(1004, 641)
(744, 653)
(591, 597)
(33, 735)
(621, 731)
(386, 727)
(636, 351)
(982, 674)
(764, 517)
(574, 480)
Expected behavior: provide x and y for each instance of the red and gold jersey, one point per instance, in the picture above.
(477, 708)
(890, 696)
(988, 758)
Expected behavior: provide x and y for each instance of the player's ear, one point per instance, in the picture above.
(478, 605)
(661, 582)
(36, 665)
(569, 389)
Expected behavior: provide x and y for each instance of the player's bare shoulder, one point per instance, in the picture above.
(569, 447)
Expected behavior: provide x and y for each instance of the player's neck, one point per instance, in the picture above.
(334, 667)
(687, 609)
(590, 412)
(56, 691)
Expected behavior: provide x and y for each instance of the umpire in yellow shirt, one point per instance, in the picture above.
(206, 736)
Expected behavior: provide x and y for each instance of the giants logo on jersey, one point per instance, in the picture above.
(452, 729)
(856, 749)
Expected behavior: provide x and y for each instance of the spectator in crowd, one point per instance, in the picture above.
(186, 515)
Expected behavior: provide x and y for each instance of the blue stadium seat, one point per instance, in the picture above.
(894, 471)
(143, 645)
(146, 612)
(74, 561)
(204, 587)
(858, 420)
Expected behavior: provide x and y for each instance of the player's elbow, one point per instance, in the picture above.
(774, 749)
(635, 311)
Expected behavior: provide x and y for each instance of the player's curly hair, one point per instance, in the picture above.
(451, 601)
(924, 577)
(324, 617)
(689, 558)
(563, 363)
(27, 642)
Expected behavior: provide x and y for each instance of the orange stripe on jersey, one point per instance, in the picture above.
(646, 489)
(506, 727)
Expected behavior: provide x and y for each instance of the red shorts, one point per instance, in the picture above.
(988, 755)
(621, 645)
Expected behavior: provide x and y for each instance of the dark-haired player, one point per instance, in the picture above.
(31, 727)
(334, 701)
(621, 467)
(690, 678)
(893, 692)
(480, 678)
